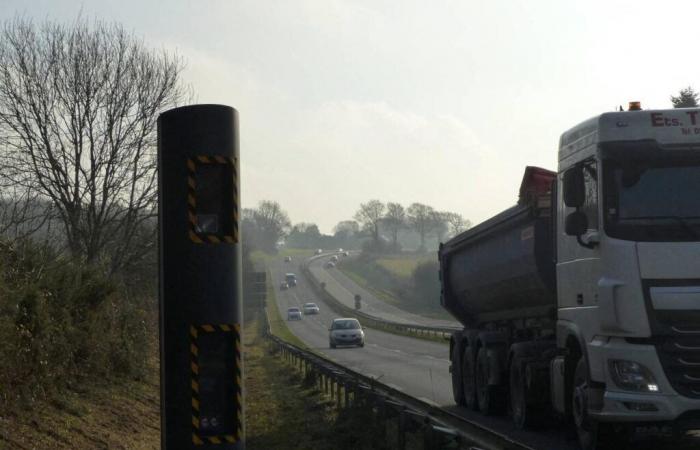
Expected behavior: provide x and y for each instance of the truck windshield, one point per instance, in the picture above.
(655, 200)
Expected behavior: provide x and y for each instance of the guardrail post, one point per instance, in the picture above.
(338, 397)
(401, 428)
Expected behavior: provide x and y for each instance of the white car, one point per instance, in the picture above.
(310, 308)
(287, 259)
(334, 258)
(345, 254)
(319, 251)
(293, 314)
(330, 265)
(346, 331)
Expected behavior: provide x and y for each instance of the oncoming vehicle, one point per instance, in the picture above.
(287, 259)
(346, 331)
(319, 251)
(334, 258)
(291, 279)
(284, 286)
(330, 265)
(293, 314)
(345, 254)
(310, 308)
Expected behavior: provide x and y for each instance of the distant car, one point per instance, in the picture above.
(310, 308)
(334, 258)
(284, 286)
(287, 259)
(291, 279)
(330, 265)
(346, 331)
(345, 254)
(319, 251)
(293, 314)
(340, 250)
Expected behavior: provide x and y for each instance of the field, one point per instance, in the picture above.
(403, 266)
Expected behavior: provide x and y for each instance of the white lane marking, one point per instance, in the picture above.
(428, 401)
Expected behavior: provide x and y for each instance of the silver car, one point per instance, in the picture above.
(293, 314)
(346, 331)
(310, 308)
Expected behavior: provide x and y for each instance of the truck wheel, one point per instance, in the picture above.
(468, 385)
(523, 413)
(593, 435)
(489, 398)
(457, 388)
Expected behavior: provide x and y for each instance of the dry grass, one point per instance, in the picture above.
(105, 415)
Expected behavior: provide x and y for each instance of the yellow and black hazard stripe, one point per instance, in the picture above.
(194, 235)
(235, 331)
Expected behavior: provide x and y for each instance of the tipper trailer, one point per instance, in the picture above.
(582, 301)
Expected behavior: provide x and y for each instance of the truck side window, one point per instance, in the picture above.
(590, 207)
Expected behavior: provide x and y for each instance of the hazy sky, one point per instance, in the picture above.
(443, 103)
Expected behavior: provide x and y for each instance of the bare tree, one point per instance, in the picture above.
(370, 216)
(420, 217)
(439, 224)
(78, 111)
(395, 221)
(272, 223)
(456, 222)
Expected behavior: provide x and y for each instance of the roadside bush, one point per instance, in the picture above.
(61, 323)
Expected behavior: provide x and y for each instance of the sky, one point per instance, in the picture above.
(442, 103)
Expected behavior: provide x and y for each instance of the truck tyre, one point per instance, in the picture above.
(593, 435)
(457, 388)
(489, 398)
(468, 384)
(523, 412)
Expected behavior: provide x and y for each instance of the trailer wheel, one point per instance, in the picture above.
(468, 384)
(524, 414)
(593, 435)
(490, 398)
(457, 388)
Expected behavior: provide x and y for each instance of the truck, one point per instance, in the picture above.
(291, 279)
(581, 303)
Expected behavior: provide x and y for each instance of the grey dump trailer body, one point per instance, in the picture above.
(503, 268)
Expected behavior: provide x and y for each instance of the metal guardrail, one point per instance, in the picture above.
(367, 319)
(435, 427)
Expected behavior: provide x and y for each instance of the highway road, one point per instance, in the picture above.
(418, 367)
(343, 288)
(415, 366)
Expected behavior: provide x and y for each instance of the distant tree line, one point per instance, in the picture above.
(377, 228)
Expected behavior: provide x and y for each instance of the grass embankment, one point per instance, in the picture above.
(284, 410)
(403, 266)
(105, 415)
(392, 280)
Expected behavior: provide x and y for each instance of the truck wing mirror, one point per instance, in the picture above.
(574, 187)
(576, 224)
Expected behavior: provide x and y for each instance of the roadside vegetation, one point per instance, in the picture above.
(408, 281)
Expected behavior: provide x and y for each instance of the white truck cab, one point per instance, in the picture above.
(628, 267)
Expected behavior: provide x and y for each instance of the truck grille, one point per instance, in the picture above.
(677, 340)
(680, 358)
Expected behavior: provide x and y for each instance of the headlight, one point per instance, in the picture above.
(632, 376)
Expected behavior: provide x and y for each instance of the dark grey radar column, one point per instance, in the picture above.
(200, 279)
